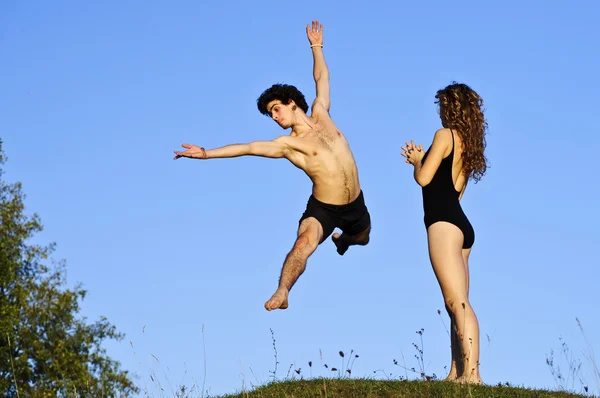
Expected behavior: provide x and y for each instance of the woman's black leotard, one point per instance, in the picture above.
(440, 200)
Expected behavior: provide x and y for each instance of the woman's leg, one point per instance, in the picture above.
(445, 251)
(456, 365)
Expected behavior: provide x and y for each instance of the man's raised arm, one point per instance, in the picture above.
(320, 71)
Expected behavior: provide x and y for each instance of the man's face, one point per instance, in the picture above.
(282, 114)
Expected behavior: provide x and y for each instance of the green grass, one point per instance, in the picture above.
(566, 370)
(372, 388)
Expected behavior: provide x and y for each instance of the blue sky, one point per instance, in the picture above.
(95, 97)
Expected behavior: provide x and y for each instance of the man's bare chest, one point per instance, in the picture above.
(323, 138)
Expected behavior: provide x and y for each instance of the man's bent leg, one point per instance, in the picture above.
(344, 241)
(355, 224)
(310, 233)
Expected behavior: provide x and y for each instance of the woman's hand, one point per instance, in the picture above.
(413, 153)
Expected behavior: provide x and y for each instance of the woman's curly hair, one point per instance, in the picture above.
(460, 109)
(283, 93)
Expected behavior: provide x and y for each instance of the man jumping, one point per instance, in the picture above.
(316, 146)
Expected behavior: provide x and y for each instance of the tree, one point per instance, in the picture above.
(46, 349)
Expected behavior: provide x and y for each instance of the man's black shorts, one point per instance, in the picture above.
(351, 218)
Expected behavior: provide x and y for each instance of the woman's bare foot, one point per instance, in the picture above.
(341, 244)
(278, 300)
(452, 376)
(469, 380)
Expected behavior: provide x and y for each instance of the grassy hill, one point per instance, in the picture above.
(371, 388)
(569, 378)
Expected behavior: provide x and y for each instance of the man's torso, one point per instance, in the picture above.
(325, 156)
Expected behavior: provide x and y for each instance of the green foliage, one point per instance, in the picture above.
(45, 349)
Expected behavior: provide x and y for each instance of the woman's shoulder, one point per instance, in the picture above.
(444, 131)
(443, 136)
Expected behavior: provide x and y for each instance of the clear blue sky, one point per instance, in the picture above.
(95, 97)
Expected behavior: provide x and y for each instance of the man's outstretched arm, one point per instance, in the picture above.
(277, 148)
(320, 71)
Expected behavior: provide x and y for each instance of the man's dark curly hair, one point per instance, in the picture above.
(283, 93)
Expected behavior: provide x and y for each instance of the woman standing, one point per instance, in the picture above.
(455, 156)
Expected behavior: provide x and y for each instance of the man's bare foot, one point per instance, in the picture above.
(341, 244)
(278, 300)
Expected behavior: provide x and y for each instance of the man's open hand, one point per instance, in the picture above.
(193, 151)
(315, 33)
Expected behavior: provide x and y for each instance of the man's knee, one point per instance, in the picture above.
(306, 243)
(364, 237)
